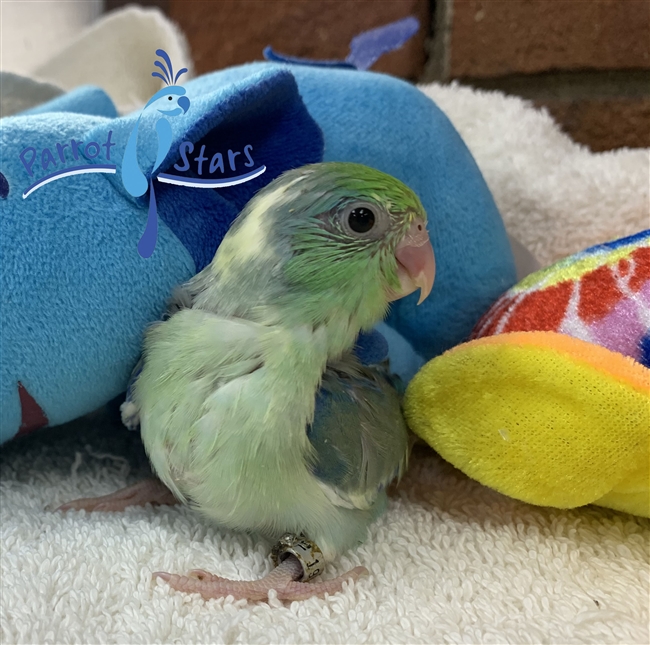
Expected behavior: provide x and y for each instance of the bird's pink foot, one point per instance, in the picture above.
(148, 491)
(283, 579)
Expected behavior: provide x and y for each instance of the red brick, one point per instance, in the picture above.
(603, 124)
(501, 37)
(230, 32)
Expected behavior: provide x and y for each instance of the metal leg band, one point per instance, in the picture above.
(306, 551)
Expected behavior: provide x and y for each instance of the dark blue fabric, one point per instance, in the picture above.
(371, 348)
(4, 187)
(265, 111)
(271, 117)
(644, 345)
(276, 57)
(637, 238)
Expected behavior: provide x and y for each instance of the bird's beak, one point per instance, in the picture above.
(184, 103)
(416, 265)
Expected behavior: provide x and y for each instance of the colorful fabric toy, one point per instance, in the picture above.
(76, 295)
(550, 401)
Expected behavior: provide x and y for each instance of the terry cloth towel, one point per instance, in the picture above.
(450, 562)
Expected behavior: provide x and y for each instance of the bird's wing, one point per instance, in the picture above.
(358, 434)
(129, 410)
(187, 359)
(180, 299)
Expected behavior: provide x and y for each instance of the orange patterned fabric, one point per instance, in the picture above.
(601, 295)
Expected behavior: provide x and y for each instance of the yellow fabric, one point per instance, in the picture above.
(619, 367)
(541, 417)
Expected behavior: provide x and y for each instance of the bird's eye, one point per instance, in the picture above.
(169, 98)
(361, 219)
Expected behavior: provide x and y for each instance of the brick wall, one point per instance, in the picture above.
(587, 61)
(231, 32)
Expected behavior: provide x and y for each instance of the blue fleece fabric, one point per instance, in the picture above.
(76, 296)
(86, 99)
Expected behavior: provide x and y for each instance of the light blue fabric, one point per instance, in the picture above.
(403, 359)
(75, 294)
(86, 99)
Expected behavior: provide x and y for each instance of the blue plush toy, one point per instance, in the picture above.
(76, 293)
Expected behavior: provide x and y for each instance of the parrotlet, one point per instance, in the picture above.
(252, 406)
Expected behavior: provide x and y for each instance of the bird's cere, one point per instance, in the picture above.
(416, 265)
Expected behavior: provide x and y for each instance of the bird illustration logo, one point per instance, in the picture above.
(170, 101)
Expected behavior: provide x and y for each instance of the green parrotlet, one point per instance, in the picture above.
(252, 406)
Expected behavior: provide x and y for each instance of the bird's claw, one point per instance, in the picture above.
(202, 574)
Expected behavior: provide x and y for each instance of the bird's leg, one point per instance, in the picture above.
(147, 491)
(297, 559)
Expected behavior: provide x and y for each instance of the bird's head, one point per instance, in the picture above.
(170, 101)
(343, 239)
